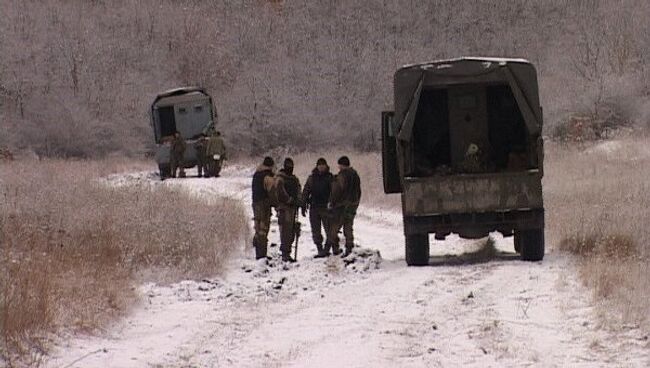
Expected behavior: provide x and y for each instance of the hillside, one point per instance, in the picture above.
(77, 77)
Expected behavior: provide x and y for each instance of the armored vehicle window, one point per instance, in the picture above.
(182, 110)
(198, 108)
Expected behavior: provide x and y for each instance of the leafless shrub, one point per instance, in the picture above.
(600, 245)
(597, 208)
(6, 155)
(77, 77)
(73, 247)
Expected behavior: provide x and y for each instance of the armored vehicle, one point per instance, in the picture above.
(463, 146)
(188, 110)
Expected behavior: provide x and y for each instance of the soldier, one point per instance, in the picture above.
(262, 185)
(315, 196)
(176, 155)
(343, 204)
(473, 162)
(216, 152)
(201, 159)
(289, 199)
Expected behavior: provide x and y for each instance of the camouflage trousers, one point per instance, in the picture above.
(318, 219)
(341, 217)
(176, 163)
(287, 222)
(201, 164)
(214, 167)
(262, 224)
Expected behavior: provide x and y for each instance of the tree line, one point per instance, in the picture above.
(77, 77)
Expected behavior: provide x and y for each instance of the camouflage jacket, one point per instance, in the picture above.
(263, 183)
(216, 146)
(472, 164)
(178, 146)
(288, 191)
(346, 189)
(200, 145)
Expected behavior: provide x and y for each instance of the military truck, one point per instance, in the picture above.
(188, 110)
(464, 149)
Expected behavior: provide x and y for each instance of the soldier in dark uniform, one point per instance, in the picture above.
(176, 155)
(289, 199)
(201, 159)
(343, 204)
(262, 186)
(315, 196)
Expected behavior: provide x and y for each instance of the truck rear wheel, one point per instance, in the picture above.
(531, 244)
(417, 249)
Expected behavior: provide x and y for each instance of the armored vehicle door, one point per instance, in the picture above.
(390, 169)
(167, 121)
(467, 121)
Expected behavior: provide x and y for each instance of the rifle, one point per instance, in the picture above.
(296, 232)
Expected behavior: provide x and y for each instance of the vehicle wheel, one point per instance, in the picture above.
(517, 241)
(532, 244)
(417, 249)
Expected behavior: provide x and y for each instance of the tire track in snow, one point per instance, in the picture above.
(499, 312)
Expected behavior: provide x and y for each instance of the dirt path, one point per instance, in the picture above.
(469, 309)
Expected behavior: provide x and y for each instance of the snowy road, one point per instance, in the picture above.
(471, 308)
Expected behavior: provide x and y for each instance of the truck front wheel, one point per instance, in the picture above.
(417, 249)
(531, 244)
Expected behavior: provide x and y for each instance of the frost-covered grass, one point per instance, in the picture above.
(597, 201)
(73, 249)
(597, 207)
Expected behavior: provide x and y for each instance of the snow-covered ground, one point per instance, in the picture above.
(462, 310)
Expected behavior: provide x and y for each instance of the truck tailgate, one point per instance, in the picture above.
(468, 193)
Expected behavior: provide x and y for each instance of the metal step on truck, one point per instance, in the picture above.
(464, 149)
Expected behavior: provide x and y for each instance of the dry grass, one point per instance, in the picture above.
(74, 249)
(598, 206)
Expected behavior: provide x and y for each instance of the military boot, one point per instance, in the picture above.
(286, 257)
(321, 251)
(260, 250)
(336, 250)
(348, 250)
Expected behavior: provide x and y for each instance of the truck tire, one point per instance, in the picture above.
(531, 244)
(517, 241)
(417, 249)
